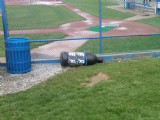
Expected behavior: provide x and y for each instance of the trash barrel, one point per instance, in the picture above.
(127, 5)
(18, 59)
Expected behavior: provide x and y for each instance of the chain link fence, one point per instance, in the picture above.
(53, 26)
(73, 25)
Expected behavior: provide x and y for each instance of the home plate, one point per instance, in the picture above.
(122, 28)
(110, 24)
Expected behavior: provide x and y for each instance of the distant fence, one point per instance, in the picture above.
(75, 26)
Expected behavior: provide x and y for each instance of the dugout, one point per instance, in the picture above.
(157, 7)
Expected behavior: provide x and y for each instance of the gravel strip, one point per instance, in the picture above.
(10, 83)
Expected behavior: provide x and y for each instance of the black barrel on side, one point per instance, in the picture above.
(79, 58)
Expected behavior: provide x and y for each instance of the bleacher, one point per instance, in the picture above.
(139, 6)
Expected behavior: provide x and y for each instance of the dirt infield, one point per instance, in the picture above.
(77, 29)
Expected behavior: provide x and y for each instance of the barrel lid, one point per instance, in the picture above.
(17, 39)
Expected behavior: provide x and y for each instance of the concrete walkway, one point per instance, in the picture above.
(138, 14)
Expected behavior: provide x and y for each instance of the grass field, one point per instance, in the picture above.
(55, 35)
(131, 93)
(110, 45)
(43, 16)
(38, 16)
(92, 7)
(2, 49)
(1, 26)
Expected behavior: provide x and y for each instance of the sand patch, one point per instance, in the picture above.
(97, 78)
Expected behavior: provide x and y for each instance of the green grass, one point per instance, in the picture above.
(35, 36)
(153, 21)
(131, 93)
(109, 45)
(126, 44)
(1, 26)
(2, 49)
(38, 16)
(92, 7)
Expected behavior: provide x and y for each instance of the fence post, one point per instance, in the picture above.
(100, 29)
(4, 19)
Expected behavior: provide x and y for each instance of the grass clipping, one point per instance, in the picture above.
(96, 78)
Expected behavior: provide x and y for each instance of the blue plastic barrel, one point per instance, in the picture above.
(127, 5)
(18, 59)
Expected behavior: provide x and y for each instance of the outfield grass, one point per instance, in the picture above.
(131, 93)
(38, 16)
(35, 36)
(110, 45)
(92, 7)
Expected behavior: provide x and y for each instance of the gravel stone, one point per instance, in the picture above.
(11, 83)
